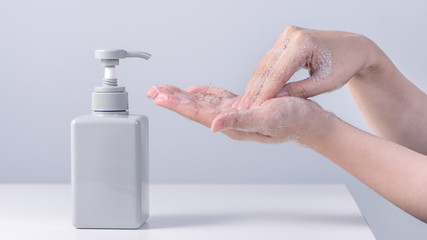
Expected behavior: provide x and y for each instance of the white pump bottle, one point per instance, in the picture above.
(109, 156)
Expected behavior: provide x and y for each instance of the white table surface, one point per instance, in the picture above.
(202, 212)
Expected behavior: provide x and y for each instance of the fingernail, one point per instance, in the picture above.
(282, 94)
(161, 98)
(152, 92)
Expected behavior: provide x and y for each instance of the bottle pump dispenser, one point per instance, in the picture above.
(109, 156)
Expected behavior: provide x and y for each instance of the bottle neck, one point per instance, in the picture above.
(109, 101)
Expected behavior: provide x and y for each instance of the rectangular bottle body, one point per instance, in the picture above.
(109, 171)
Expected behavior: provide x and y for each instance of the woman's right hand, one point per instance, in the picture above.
(332, 58)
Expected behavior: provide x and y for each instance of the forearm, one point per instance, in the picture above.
(397, 173)
(393, 107)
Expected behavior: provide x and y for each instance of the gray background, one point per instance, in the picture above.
(48, 72)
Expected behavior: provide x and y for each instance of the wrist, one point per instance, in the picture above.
(376, 61)
(318, 130)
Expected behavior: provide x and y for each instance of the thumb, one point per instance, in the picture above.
(243, 120)
(306, 88)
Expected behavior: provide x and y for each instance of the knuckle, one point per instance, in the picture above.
(298, 37)
(302, 38)
(290, 29)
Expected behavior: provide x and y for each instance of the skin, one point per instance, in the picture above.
(275, 121)
(271, 110)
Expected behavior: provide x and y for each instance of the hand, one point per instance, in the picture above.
(332, 58)
(277, 120)
(199, 103)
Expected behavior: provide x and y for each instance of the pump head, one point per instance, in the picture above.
(109, 97)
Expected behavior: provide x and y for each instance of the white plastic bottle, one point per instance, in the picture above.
(109, 156)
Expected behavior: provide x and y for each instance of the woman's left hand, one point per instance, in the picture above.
(276, 120)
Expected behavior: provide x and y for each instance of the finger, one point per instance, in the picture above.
(273, 75)
(164, 89)
(171, 88)
(152, 92)
(263, 69)
(290, 63)
(242, 120)
(211, 90)
(306, 88)
(256, 78)
(186, 108)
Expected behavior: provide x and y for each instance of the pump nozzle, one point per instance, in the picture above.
(110, 97)
(110, 58)
(115, 54)
(139, 54)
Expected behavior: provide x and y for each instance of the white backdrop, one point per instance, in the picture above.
(48, 73)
